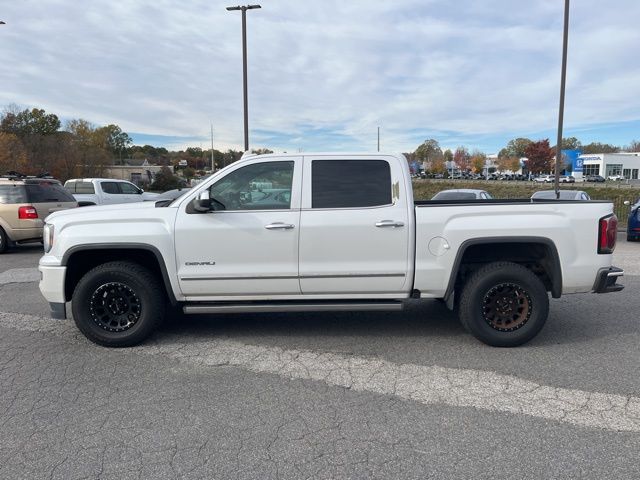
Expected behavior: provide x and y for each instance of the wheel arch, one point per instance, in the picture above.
(82, 258)
(539, 254)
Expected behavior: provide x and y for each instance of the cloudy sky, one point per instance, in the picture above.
(324, 74)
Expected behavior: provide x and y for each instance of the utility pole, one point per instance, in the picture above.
(563, 80)
(212, 164)
(244, 9)
(378, 138)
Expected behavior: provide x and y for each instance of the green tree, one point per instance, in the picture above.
(29, 122)
(165, 180)
(597, 147)
(113, 139)
(429, 150)
(571, 143)
(515, 148)
(261, 151)
(448, 155)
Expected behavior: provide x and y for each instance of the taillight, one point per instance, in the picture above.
(26, 213)
(607, 234)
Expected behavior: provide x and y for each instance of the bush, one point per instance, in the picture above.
(166, 180)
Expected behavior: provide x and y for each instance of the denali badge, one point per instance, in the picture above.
(192, 264)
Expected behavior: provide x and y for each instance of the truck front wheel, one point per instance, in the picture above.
(504, 304)
(118, 304)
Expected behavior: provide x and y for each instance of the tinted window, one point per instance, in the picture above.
(11, 194)
(350, 183)
(85, 187)
(46, 192)
(128, 188)
(261, 186)
(110, 187)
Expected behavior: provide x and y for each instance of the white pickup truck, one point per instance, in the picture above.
(106, 191)
(333, 232)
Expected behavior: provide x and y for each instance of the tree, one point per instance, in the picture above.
(448, 155)
(165, 180)
(597, 147)
(13, 156)
(540, 156)
(478, 161)
(113, 139)
(89, 145)
(570, 143)
(515, 148)
(514, 164)
(429, 150)
(438, 166)
(29, 122)
(634, 146)
(462, 159)
(261, 151)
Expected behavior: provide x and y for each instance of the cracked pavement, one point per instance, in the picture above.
(354, 395)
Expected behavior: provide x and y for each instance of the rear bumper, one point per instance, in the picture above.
(606, 280)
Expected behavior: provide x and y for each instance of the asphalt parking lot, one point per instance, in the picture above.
(354, 395)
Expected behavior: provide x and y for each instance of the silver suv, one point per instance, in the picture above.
(25, 203)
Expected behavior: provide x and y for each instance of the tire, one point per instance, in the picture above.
(118, 304)
(4, 242)
(486, 311)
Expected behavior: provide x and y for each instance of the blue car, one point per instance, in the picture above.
(633, 224)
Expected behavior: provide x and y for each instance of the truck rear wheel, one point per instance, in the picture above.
(118, 304)
(504, 304)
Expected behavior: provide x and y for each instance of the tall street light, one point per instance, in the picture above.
(563, 80)
(244, 9)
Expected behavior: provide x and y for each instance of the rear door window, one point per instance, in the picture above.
(128, 189)
(350, 183)
(47, 192)
(110, 188)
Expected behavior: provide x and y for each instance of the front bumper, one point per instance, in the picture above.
(52, 288)
(606, 280)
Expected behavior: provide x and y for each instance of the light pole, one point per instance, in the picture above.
(244, 9)
(563, 80)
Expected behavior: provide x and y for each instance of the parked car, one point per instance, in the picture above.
(106, 191)
(616, 178)
(564, 195)
(567, 179)
(594, 178)
(633, 222)
(24, 204)
(544, 179)
(462, 194)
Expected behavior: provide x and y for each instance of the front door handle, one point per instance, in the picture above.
(389, 223)
(279, 226)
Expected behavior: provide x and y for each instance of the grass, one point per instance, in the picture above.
(616, 193)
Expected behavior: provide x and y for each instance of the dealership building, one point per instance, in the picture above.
(607, 164)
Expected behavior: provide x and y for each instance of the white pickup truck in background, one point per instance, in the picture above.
(333, 232)
(106, 191)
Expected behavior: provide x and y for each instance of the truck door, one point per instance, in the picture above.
(250, 247)
(354, 226)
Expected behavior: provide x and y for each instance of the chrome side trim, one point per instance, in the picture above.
(353, 275)
(291, 277)
(300, 307)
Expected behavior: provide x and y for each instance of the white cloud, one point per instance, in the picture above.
(414, 67)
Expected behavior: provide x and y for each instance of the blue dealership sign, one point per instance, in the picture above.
(572, 157)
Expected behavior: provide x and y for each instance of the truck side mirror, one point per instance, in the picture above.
(202, 203)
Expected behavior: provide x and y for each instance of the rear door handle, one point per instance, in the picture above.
(389, 223)
(279, 226)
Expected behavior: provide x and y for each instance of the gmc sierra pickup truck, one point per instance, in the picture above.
(323, 232)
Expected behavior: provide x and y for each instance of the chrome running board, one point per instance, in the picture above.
(291, 307)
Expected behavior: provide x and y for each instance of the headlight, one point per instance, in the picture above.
(47, 237)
